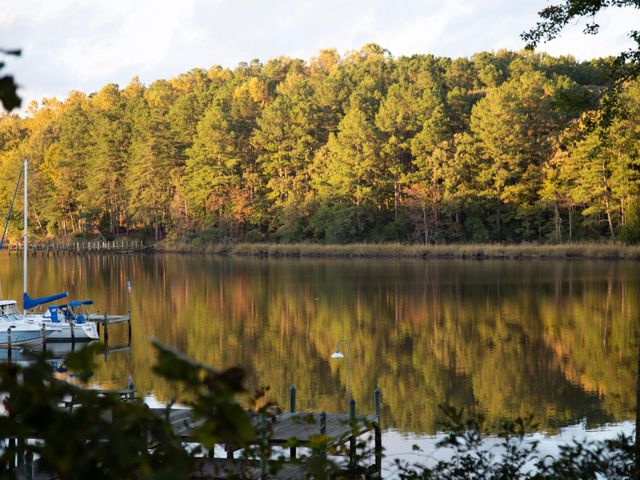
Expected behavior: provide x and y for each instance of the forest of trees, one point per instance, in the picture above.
(498, 147)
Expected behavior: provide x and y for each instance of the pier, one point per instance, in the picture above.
(105, 320)
(301, 429)
(80, 248)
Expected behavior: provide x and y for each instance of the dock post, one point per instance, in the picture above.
(20, 453)
(323, 430)
(9, 347)
(352, 438)
(106, 330)
(378, 447)
(377, 402)
(129, 326)
(323, 423)
(292, 399)
(29, 467)
(264, 469)
(43, 334)
(292, 408)
(73, 333)
(132, 390)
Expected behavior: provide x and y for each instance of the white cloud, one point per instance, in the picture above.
(612, 39)
(82, 45)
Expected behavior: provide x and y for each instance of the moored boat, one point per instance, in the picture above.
(68, 328)
(74, 326)
(16, 329)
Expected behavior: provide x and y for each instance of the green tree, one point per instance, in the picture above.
(349, 167)
(151, 173)
(104, 200)
(287, 136)
(515, 124)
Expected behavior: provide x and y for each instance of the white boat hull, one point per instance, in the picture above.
(24, 332)
(84, 332)
(20, 337)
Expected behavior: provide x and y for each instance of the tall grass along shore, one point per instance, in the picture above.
(391, 250)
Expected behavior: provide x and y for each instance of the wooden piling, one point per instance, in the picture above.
(323, 428)
(292, 399)
(9, 346)
(106, 330)
(352, 438)
(292, 409)
(20, 452)
(264, 445)
(43, 336)
(132, 390)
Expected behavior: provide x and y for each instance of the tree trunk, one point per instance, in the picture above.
(435, 222)
(609, 218)
(424, 223)
(570, 210)
(556, 220)
(396, 199)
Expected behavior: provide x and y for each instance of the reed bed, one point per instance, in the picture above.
(392, 250)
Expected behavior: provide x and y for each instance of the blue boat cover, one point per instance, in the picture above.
(77, 303)
(29, 302)
(53, 310)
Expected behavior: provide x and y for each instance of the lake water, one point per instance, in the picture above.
(552, 338)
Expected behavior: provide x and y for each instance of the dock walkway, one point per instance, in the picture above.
(287, 426)
(302, 427)
(80, 248)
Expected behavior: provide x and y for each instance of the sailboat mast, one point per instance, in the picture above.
(25, 251)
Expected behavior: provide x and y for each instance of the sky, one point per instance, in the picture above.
(85, 44)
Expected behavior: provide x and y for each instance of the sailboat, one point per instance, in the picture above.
(15, 329)
(67, 327)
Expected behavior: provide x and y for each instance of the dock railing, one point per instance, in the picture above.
(78, 248)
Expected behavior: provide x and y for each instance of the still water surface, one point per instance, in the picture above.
(551, 338)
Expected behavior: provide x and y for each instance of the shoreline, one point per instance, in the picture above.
(577, 251)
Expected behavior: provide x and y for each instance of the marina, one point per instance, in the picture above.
(68, 322)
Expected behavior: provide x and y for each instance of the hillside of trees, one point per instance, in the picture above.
(498, 147)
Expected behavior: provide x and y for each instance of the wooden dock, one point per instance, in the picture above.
(285, 427)
(105, 320)
(300, 427)
(81, 248)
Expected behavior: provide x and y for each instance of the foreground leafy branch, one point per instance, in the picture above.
(79, 433)
(512, 454)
